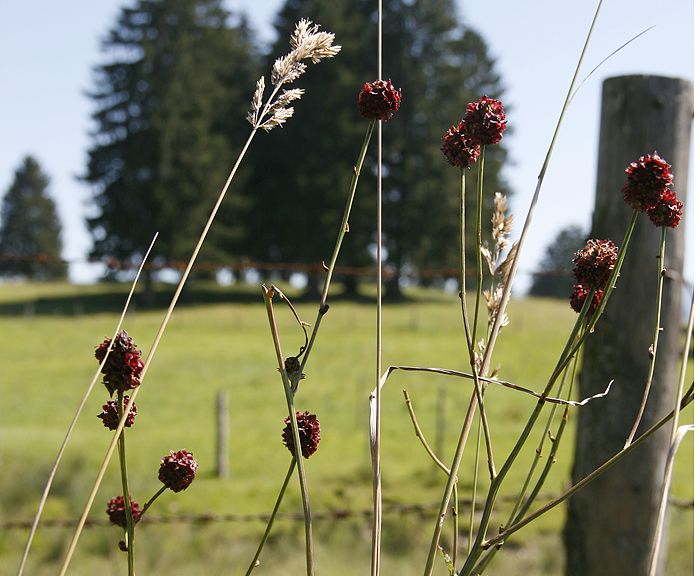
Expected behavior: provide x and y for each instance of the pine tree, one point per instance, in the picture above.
(171, 104)
(440, 65)
(30, 231)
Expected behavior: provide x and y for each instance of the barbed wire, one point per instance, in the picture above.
(420, 510)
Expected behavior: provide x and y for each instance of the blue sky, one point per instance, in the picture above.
(48, 49)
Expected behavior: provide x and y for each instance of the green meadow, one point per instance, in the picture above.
(219, 340)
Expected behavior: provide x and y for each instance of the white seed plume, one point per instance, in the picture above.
(307, 44)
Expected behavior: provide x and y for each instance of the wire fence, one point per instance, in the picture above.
(425, 510)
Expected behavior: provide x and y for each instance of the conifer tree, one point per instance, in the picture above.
(440, 65)
(30, 231)
(171, 101)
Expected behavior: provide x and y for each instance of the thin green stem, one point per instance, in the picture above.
(674, 442)
(498, 480)
(445, 469)
(125, 489)
(268, 295)
(477, 233)
(344, 229)
(493, 335)
(152, 500)
(475, 479)
(538, 455)
(271, 521)
(687, 400)
(657, 328)
(471, 337)
(164, 323)
(71, 426)
(421, 436)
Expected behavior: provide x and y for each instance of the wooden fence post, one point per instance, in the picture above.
(222, 434)
(610, 523)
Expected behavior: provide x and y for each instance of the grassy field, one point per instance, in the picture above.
(48, 338)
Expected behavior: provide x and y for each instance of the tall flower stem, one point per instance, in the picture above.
(79, 410)
(477, 397)
(164, 323)
(675, 440)
(687, 399)
(445, 469)
(375, 564)
(493, 335)
(477, 234)
(344, 228)
(152, 500)
(653, 351)
(268, 295)
(271, 521)
(125, 488)
(475, 480)
(570, 348)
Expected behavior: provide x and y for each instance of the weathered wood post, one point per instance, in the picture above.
(222, 434)
(610, 524)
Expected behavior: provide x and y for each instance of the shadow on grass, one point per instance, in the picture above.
(109, 298)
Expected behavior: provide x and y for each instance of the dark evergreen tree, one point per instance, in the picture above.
(30, 231)
(440, 65)
(171, 104)
(554, 278)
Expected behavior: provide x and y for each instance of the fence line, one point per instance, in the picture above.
(420, 510)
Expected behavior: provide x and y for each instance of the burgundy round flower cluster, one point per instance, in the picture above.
(110, 414)
(379, 100)
(483, 125)
(485, 121)
(309, 433)
(123, 368)
(578, 297)
(177, 470)
(291, 364)
(667, 211)
(457, 148)
(648, 189)
(117, 511)
(593, 265)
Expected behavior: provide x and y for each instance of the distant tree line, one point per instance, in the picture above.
(170, 103)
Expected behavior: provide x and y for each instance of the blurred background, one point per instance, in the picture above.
(121, 119)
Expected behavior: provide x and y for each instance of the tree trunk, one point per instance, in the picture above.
(610, 524)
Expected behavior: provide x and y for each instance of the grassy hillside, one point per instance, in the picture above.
(47, 342)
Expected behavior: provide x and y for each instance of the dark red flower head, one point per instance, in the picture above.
(578, 297)
(647, 179)
(457, 147)
(667, 211)
(117, 512)
(379, 100)
(291, 364)
(123, 368)
(485, 121)
(177, 470)
(594, 263)
(110, 414)
(309, 433)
